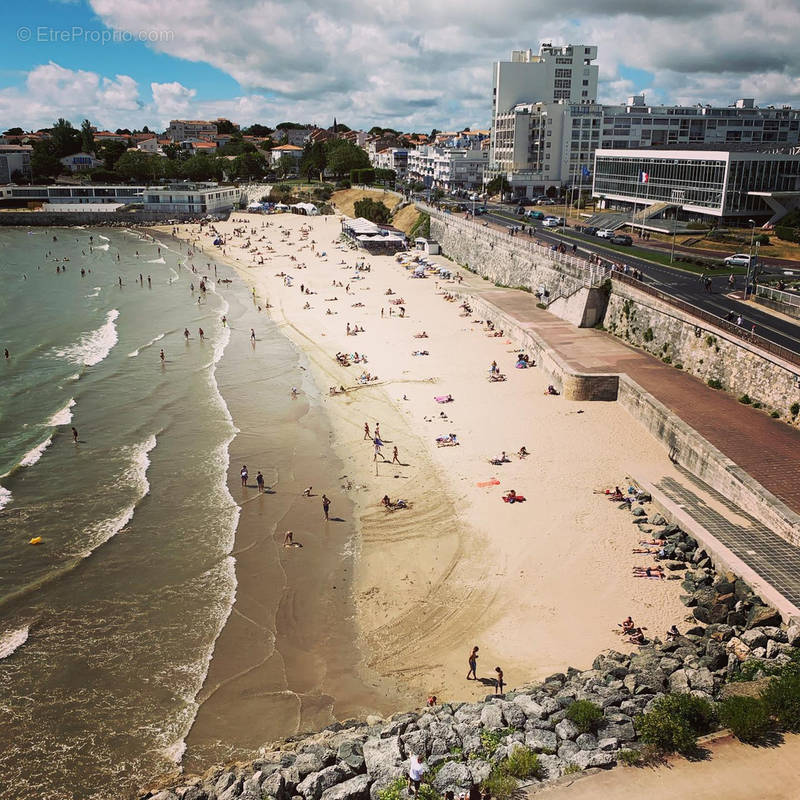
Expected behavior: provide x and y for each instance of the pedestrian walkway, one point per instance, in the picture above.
(768, 450)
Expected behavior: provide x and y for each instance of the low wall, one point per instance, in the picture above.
(56, 219)
(784, 308)
(701, 349)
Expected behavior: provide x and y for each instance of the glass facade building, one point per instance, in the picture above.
(717, 183)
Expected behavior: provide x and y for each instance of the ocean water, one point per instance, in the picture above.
(107, 626)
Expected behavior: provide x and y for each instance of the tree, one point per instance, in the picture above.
(140, 167)
(87, 137)
(290, 126)
(122, 132)
(226, 126)
(13, 132)
(314, 159)
(258, 130)
(385, 176)
(110, 152)
(250, 165)
(286, 165)
(201, 167)
(343, 156)
(373, 210)
(497, 185)
(65, 139)
(44, 163)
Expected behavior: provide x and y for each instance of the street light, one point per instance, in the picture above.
(752, 223)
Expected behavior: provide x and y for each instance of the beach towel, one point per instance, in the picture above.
(491, 482)
(516, 499)
(443, 398)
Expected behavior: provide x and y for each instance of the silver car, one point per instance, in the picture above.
(738, 260)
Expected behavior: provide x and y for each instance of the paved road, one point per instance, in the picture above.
(684, 285)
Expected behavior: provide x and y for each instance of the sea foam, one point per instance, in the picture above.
(12, 640)
(94, 346)
(5, 497)
(35, 453)
(64, 415)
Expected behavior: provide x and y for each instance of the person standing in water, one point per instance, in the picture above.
(244, 474)
(163, 357)
(201, 334)
(260, 482)
(74, 434)
(252, 336)
(326, 504)
(186, 334)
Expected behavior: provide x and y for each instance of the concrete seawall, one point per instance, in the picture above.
(59, 219)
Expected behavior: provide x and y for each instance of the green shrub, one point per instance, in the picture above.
(714, 383)
(490, 740)
(396, 790)
(586, 715)
(629, 757)
(775, 414)
(675, 722)
(523, 763)
(499, 784)
(794, 408)
(745, 399)
(762, 239)
(747, 717)
(756, 404)
(648, 335)
(667, 359)
(782, 698)
(571, 769)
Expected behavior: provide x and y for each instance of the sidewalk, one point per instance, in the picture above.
(733, 771)
(768, 450)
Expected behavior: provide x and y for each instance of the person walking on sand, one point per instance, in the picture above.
(260, 482)
(201, 334)
(395, 457)
(367, 434)
(326, 504)
(244, 474)
(288, 539)
(74, 434)
(473, 664)
(252, 335)
(377, 430)
(498, 681)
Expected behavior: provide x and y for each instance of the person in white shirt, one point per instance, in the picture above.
(416, 769)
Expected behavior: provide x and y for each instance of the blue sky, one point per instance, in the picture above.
(412, 65)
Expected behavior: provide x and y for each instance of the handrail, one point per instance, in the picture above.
(779, 296)
(718, 322)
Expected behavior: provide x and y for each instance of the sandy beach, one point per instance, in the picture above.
(539, 585)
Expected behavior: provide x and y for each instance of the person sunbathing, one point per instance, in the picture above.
(523, 452)
(660, 542)
(420, 353)
(497, 377)
(673, 633)
(627, 625)
(552, 390)
(422, 335)
(648, 572)
(637, 636)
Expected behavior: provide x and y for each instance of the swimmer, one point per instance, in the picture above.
(163, 357)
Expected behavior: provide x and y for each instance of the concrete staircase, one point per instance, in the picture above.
(648, 212)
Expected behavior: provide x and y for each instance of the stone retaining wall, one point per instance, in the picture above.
(703, 350)
(517, 262)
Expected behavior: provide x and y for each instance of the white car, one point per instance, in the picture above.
(738, 260)
(551, 222)
(604, 233)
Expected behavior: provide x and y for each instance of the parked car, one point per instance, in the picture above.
(524, 201)
(535, 214)
(551, 222)
(479, 210)
(547, 201)
(591, 230)
(621, 238)
(738, 260)
(605, 233)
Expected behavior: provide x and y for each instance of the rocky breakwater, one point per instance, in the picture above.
(731, 629)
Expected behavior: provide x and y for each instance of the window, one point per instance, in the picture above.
(586, 83)
(563, 73)
(585, 93)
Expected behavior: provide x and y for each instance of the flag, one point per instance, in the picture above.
(584, 171)
(644, 177)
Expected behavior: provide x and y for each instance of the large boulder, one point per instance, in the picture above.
(513, 715)
(763, 615)
(354, 789)
(306, 763)
(313, 785)
(552, 767)
(383, 758)
(275, 786)
(754, 637)
(701, 679)
(624, 731)
(442, 738)
(454, 776)
(471, 712)
(529, 706)
(593, 758)
(586, 741)
(492, 716)
(539, 739)
(567, 729)
(351, 753)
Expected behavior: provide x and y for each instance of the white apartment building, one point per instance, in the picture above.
(15, 162)
(447, 169)
(200, 198)
(182, 129)
(538, 145)
(395, 158)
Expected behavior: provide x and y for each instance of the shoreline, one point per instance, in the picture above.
(284, 642)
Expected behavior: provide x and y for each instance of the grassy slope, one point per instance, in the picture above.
(345, 199)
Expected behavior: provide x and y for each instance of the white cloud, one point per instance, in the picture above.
(414, 64)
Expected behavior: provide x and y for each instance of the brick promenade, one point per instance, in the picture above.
(765, 448)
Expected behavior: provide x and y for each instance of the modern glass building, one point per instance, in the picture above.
(720, 183)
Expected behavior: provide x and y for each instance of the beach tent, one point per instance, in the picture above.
(281, 206)
(309, 208)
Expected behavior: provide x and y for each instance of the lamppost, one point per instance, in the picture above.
(750, 260)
